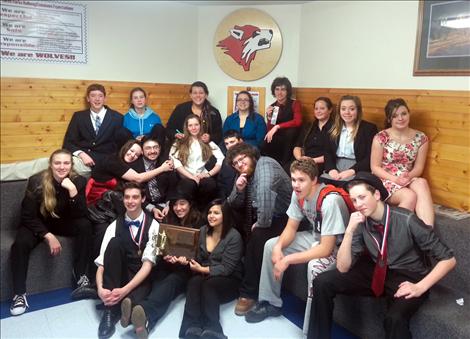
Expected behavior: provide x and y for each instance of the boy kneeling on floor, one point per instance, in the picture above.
(126, 259)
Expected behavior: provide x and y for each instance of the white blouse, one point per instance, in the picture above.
(195, 163)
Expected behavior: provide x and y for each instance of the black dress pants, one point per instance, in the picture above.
(170, 280)
(117, 272)
(281, 146)
(26, 241)
(203, 193)
(357, 282)
(204, 296)
(253, 259)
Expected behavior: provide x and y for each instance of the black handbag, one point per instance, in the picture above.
(107, 208)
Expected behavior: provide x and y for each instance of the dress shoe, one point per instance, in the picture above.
(193, 333)
(261, 311)
(244, 305)
(107, 324)
(84, 290)
(140, 322)
(210, 334)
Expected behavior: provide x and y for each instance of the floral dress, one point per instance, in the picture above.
(398, 158)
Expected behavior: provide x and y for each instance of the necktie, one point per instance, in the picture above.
(97, 124)
(153, 186)
(380, 270)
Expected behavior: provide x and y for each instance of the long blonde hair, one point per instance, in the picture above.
(339, 123)
(183, 145)
(49, 200)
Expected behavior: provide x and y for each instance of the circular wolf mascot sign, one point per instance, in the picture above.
(247, 44)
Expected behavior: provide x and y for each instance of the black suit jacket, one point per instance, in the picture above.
(362, 148)
(81, 135)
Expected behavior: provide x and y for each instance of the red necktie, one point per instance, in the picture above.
(380, 271)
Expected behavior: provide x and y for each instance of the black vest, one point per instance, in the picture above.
(134, 257)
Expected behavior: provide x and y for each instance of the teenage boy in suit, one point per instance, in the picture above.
(95, 132)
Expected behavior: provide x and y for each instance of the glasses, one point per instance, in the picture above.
(238, 161)
(148, 148)
(243, 100)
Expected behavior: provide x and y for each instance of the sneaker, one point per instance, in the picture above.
(84, 290)
(126, 310)
(244, 305)
(261, 311)
(140, 322)
(19, 305)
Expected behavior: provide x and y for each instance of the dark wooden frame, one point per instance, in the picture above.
(435, 66)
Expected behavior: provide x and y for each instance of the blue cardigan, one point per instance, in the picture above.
(254, 130)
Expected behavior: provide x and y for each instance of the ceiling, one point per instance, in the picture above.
(241, 3)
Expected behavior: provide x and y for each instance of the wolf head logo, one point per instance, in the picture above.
(243, 43)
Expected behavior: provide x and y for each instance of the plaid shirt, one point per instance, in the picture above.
(271, 189)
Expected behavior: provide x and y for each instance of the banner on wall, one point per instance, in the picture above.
(48, 31)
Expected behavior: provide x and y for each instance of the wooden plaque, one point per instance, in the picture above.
(180, 241)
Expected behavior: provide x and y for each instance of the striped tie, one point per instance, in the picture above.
(97, 124)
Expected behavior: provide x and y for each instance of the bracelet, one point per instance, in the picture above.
(209, 173)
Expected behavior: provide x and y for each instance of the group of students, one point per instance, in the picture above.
(255, 220)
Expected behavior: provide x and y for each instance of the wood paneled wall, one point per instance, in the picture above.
(35, 113)
(445, 118)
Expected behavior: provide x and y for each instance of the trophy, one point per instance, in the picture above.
(176, 241)
(160, 240)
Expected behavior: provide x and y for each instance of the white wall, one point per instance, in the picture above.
(128, 41)
(336, 44)
(286, 17)
(364, 44)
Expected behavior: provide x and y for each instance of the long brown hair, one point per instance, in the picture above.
(339, 123)
(49, 200)
(183, 145)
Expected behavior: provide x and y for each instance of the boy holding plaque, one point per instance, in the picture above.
(381, 255)
(126, 258)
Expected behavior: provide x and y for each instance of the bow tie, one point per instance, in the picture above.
(133, 223)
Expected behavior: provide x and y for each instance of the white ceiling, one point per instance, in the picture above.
(241, 3)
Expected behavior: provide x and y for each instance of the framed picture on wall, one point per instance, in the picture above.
(443, 38)
(257, 93)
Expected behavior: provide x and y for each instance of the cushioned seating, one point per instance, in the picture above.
(45, 272)
(439, 317)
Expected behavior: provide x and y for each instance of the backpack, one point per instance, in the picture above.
(323, 193)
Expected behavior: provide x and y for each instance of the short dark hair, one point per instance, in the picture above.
(307, 166)
(282, 81)
(131, 185)
(95, 87)
(242, 148)
(147, 138)
(227, 222)
(231, 133)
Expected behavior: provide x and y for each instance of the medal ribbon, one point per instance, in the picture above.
(141, 233)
